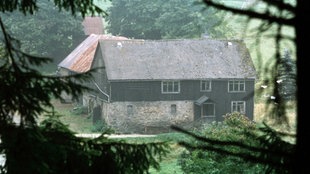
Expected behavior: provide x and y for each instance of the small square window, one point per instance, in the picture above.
(129, 110)
(173, 109)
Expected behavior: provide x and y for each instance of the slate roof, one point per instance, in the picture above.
(81, 58)
(176, 59)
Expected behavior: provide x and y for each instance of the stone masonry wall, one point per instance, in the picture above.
(148, 117)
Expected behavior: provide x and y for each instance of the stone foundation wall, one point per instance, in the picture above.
(142, 117)
(148, 117)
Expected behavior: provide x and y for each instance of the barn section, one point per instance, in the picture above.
(144, 86)
(81, 59)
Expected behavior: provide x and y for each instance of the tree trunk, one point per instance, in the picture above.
(302, 44)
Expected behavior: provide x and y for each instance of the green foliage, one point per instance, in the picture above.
(193, 160)
(51, 147)
(83, 7)
(287, 77)
(101, 126)
(24, 90)
(236, 146)
(202, 162)
(239, 121)
(79, 110)
(48, 32)
(162, 19)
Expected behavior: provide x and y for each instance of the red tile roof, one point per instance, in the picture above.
(81, 58)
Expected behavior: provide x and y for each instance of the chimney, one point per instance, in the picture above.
(93, 25)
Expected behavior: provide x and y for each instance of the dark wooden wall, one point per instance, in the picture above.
(190, 90)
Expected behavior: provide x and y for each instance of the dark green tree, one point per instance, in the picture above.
(242, 145)
(287, 77)
(162, 19)
(51, 147)
(279, 14)
(44, 28)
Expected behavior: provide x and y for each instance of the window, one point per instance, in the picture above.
(168, 87)
(205, 85)
(236, 86)
(238, 106)
(208, 110)
(173, 109)
(129, 110)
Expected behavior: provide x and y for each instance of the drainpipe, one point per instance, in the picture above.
(107, 109)
(102, 91)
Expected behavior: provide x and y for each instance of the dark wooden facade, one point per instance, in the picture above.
(150, 90)
(189, 90)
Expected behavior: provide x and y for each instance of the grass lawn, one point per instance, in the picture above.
(72, 116)
(168, 164)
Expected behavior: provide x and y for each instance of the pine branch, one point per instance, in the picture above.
(252, 14)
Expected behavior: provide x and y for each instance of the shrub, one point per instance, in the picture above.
(80, 110)
(101, 126)
(235, 127)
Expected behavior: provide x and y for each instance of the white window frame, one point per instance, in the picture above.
(235, 105)
(204, 84)
(165, 87)
(236, 85)
(207, 116)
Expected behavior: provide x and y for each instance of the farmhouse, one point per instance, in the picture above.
(146, 84)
